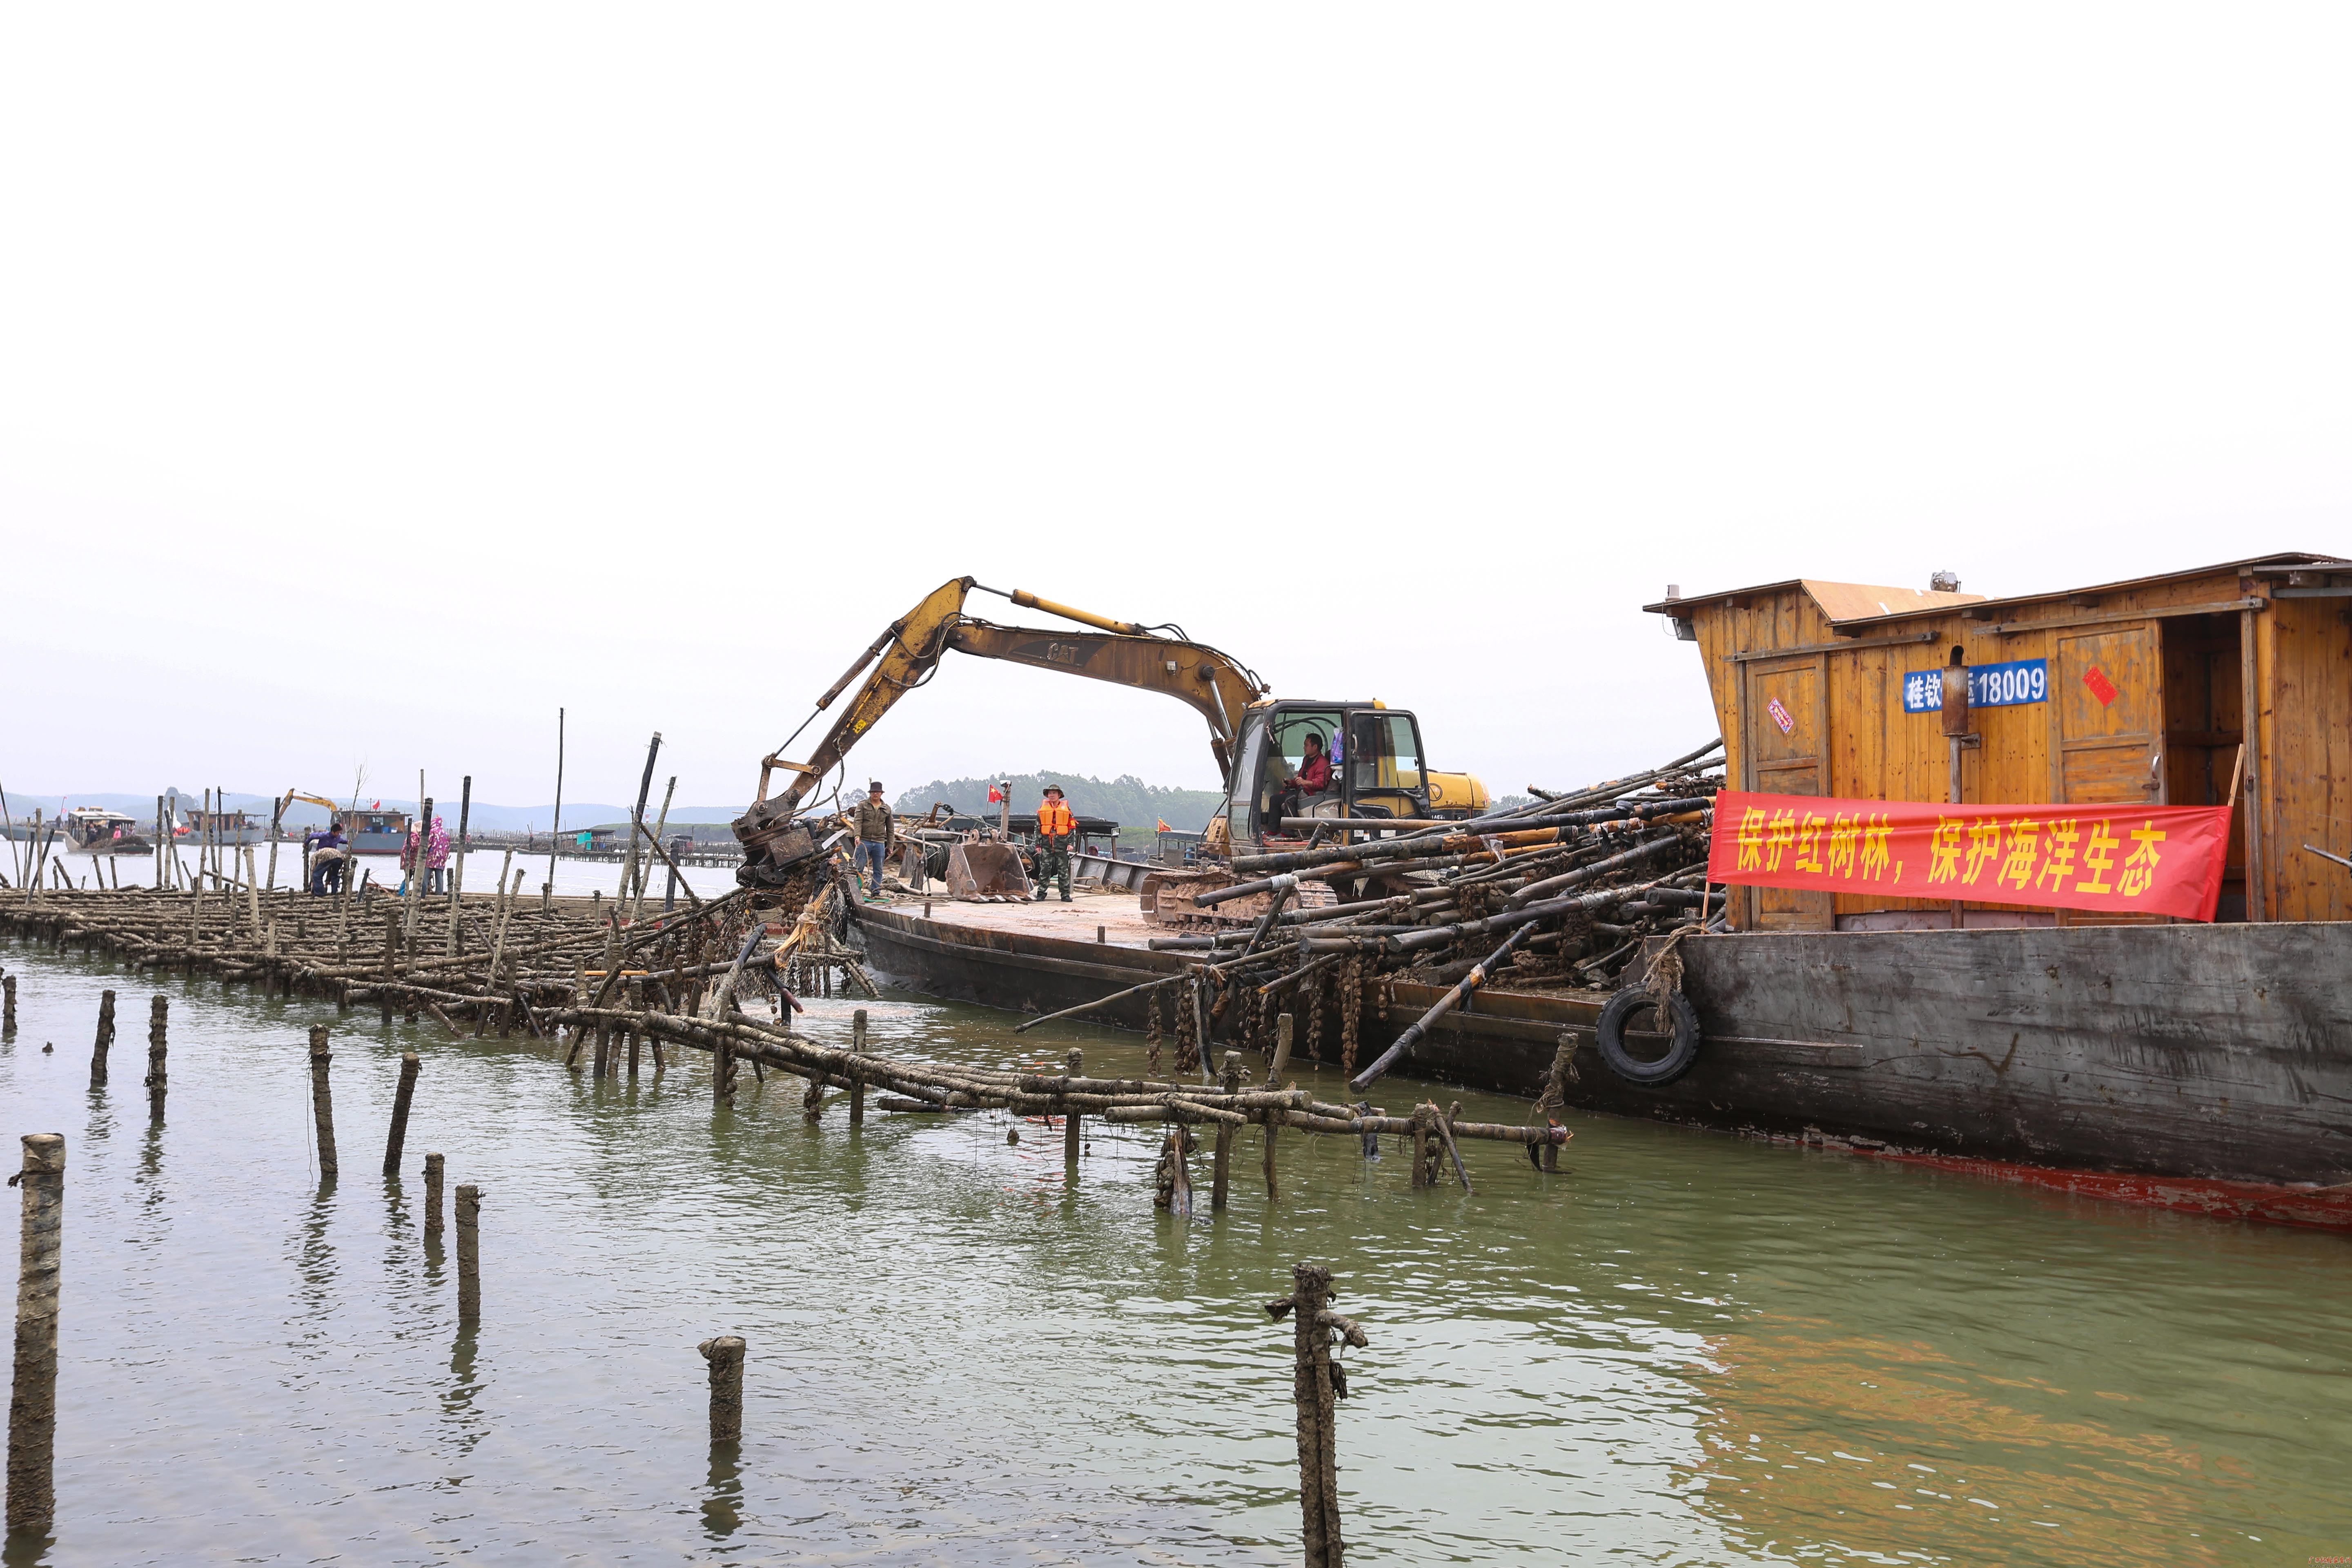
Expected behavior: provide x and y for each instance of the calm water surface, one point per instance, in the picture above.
(1688, 1349)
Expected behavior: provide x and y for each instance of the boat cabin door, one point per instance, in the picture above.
(1782, 753)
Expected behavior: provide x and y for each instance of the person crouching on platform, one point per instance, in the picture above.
(326, 856)
(873, 836)
(1056, 832)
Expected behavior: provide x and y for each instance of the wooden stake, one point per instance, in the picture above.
(470, 1254)
(33, 1395)
(725, 1354)
(1231, 1082)
(322, 1103)
(1274, 1069)
(1071, 1133)
(105, 1040)
(158, 1017)
(1317, 1383)
(857, 1086)
(409, 1066)
(435, 1166)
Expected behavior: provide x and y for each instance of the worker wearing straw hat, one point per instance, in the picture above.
(873, 836)
(1056, 831)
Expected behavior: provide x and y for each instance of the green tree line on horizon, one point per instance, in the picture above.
(1126, 800)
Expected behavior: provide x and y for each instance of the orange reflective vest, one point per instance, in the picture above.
(1056, 820)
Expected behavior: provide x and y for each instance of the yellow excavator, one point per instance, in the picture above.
(1377, 766)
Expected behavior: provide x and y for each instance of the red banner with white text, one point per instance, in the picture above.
(2142, 859)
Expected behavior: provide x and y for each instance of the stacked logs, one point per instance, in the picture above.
(1558, 894)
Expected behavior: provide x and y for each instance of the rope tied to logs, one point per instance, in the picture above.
(1666, 968)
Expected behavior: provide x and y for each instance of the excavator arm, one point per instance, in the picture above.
(1121, 652)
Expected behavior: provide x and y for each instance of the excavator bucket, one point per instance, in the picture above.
(987, 872)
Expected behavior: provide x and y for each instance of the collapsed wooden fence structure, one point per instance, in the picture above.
(568, 968)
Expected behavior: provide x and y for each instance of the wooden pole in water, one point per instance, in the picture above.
(669, 889)
(1071, 1133)
(413, 905)
(470, 1254)
(725, 1354)
(857, 1086)
(435, 1165)
(33, 1393)
(323, 1102)
(409, 1067)
(1420, 1142)
(458, 867)
(9, 1004)
(1317, 1383)
(1231, 1082)
(1274, 1069)
(1555, 1094)
(547, 893)
(637, 825)
(105, 1040)
(159, 1017)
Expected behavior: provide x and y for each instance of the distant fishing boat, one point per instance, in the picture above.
(223, 827)
(374, 831)
(94, 830)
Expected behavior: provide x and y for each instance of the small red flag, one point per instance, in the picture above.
(994, 795)
(1163, 825)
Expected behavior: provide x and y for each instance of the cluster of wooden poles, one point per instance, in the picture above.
(1319, 1380)
(497, 963)
(32, 1400)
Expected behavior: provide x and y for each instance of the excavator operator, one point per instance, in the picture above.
(1057, 829)
(1309, 783)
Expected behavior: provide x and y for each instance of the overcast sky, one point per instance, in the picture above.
(373, 382)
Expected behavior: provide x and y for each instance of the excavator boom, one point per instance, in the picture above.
(1120, 652)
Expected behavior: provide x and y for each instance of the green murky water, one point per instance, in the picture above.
(1687, 1349)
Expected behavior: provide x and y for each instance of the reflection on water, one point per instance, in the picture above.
(464, 1424)
(1689, 1350)
(722, 1502)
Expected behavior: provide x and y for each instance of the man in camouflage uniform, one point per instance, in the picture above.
(1057, 832)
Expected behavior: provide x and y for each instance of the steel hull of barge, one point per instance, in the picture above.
(2205, 1069)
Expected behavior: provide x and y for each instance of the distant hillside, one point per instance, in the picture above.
(1126, 800)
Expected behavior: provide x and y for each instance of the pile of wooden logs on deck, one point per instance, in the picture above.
(1558, 893)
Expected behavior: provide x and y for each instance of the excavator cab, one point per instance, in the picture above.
(1376, 770)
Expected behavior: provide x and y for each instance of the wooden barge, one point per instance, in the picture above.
(2200, 1067)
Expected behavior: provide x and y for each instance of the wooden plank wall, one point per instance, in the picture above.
(2307, 735)
(2184, 679)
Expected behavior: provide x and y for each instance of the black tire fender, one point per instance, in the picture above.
(1679, 1056)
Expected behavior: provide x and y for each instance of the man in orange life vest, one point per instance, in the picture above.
(1057, 830)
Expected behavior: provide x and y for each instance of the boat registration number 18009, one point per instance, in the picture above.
(1990, 685)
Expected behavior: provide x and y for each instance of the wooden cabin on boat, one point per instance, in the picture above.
(2135, 691)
